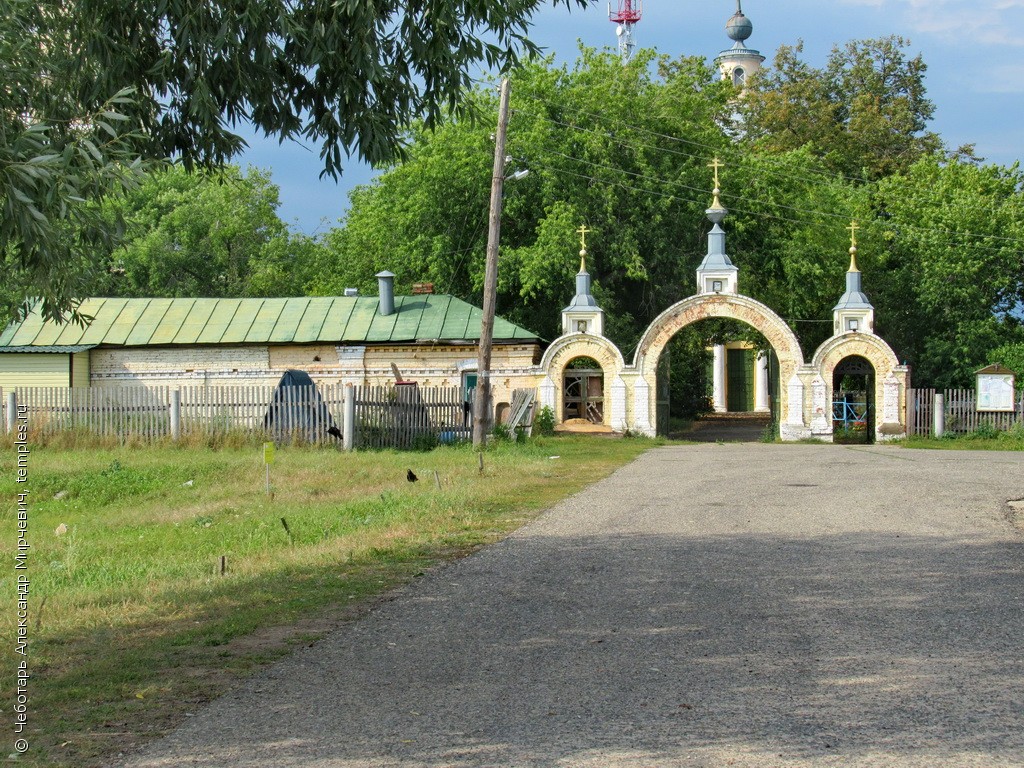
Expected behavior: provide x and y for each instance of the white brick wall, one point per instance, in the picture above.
(438, 365)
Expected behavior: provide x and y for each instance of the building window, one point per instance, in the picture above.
(739, 77)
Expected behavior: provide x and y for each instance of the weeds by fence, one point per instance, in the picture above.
(961, 414)
(384, 416)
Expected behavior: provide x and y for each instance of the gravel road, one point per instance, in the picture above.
(708, 605)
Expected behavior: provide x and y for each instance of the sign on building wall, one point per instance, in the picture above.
(995, 388)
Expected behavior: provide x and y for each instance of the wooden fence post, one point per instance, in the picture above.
(348, 418)
(12, 412)
(939, 415)
(175, 415)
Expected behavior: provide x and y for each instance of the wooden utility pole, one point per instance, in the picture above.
(481, 409)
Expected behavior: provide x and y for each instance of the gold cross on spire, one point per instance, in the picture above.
(716, 164)
(854, 226)
(583, 246)
(583, 231)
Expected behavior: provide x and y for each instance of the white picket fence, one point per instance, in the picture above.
(382, 416)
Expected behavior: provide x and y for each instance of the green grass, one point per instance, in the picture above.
(985, 438)
(139, 626)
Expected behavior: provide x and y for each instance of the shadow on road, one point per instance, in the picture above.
(851, 649)
(726, 428)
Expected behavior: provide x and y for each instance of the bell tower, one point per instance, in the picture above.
(739, 62)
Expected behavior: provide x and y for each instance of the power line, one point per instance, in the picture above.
(680, 140)
(657, 180)
(949, 234)
(761, 214)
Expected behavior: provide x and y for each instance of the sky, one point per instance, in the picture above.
(974, 50)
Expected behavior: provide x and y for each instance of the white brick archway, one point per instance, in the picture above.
(792, 370)
(891, 381)
(567, 348)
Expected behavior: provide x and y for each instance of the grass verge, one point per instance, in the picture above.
(965, 443)
(132, 625)
(984, 438)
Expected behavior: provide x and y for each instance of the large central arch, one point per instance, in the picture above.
(735, 307)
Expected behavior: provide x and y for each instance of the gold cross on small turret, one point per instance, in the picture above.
(583, 231)
(854, 226)
(716, 164)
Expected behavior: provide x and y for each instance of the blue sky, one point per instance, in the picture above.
(974, 50)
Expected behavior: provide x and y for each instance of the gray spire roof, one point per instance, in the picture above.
(583, 300)
(854, 298)
(716, 259)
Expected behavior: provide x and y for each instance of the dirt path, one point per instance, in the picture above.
(708, 605)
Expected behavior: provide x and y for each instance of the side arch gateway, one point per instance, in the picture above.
(571, 346)
(891, 381)
(792, 370)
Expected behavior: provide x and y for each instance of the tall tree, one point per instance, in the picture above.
(93, 88)
(952, 256)
(865, 114)
(55, 153)
(204, 234)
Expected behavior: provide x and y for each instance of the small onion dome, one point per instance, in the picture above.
(739, 27)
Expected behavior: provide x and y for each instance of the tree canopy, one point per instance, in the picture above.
(93, 90)
(865, 114)
(205, 233)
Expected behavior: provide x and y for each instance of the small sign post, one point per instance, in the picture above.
(268, 459)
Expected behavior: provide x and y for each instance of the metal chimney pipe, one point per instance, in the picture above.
(386, 289)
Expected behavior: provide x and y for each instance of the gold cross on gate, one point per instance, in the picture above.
(716, 164)
(854, 226)
(583, 236)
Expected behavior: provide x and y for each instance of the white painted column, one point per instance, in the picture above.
(175, 415)
(892, 425)
(761, 404)
(642, 408)
(793, 427)
(821, 408)
(12, 412)
(618, 404)
(718, 379)
(547, 394)
(348, 418)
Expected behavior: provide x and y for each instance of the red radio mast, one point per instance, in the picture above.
(627, 15)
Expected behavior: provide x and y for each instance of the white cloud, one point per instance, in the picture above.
(1009, 80)
(958, 21)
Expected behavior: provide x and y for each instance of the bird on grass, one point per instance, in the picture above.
(411, 476)
(333, 431)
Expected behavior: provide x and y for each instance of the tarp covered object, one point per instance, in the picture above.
(297, 410)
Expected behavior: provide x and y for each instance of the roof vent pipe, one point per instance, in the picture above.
(350, 292)
(386, 283)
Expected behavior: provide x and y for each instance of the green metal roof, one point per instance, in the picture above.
(329, 319)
